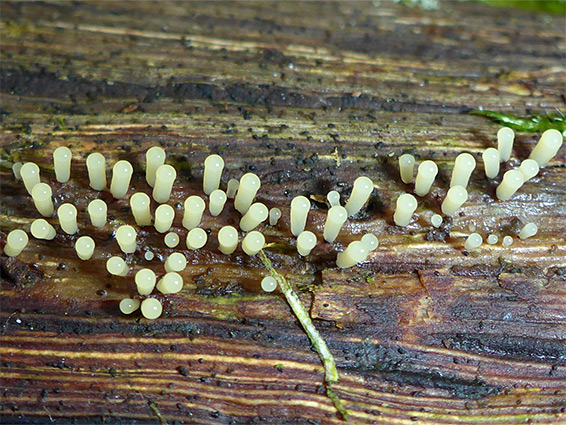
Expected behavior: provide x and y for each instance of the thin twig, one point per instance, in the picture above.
(330, 371)
(155, 409)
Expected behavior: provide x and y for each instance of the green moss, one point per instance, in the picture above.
(16, 29)
(423, 4)
(370, 278)
(233, 299)
(554, 7)
(532, 124)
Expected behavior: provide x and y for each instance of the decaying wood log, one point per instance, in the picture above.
(308, 96)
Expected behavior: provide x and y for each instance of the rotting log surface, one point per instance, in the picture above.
(308, 96)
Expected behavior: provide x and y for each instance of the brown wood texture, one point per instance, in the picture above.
(308, 96)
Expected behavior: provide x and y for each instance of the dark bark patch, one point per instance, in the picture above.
(20, 274)
(510, 347)
(393, 364)
(46, 84)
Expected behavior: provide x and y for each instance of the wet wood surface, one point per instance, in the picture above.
(309, 96)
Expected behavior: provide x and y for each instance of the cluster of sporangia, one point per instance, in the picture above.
(161, 177)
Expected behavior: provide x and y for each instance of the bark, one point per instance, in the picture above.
(308, 96)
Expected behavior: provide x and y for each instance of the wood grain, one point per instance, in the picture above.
(308, 96)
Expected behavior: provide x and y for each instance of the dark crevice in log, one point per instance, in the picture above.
(18, 273)
(509, 347)
(43, 83)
